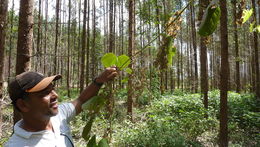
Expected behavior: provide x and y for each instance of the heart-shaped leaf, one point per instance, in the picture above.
(109, 60)
(123, 61)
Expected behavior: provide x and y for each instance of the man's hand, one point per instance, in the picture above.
(109, 74)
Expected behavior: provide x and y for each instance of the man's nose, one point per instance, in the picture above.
(54, 94)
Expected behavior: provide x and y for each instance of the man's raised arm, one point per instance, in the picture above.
(92, 90)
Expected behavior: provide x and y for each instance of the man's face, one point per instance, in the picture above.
(43, 103)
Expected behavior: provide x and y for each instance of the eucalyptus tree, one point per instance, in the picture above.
(255, 45)
(3, 24)
(224, 76)
(131, 46)
(83, 49)
(24, 43)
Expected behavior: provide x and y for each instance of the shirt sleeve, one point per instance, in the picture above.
(67, 111)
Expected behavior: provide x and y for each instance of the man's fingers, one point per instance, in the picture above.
(112, 75)
(111, 69)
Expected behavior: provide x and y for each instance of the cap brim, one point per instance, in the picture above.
(44, 83)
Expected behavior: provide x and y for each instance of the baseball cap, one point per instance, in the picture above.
(27, 82)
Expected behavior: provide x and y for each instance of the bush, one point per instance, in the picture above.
(180, 121)
(152, 134)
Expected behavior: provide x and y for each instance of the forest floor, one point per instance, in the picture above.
(170, 120)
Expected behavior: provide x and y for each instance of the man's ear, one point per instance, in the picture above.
(22, 105)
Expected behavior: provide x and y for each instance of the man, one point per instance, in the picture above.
(44, 123)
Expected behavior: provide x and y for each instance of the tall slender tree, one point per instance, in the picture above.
(88, 44)
(256, 62)
(194, 46)
(38, 48)
(83, 49)
(56, 36)
(68, 51)
(131, 46)
(3, 23)
(234, 2)
(45, 37)
(24, 43)
(203, 58)
(10, 42)
(93, 52)
(224, 76)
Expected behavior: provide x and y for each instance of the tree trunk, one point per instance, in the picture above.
(194, 45)
(131, 47)
(88, 46)
(45, 36)
(93, 52)
(234, 2)
(256, 63)
(10, 43)
(224, 77)
(24, 43)
(68, 53)
(56, 36)
(111, 27)
(79, 52)
(82, 75)
(203, 59)
(3, 24)
(38, 49)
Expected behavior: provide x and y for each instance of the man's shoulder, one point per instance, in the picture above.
(66, 111)
(15, 141)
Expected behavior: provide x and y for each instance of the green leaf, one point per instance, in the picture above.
(170, 55)
(125, 80)
(94, 104)
(128, 70)
(108, 59)
(246, 15)
(258, 28)
(103, 143)
(92, 142)
(123, 61)
(170, 50)
(87, 129)
(210, 20)
(251, 27)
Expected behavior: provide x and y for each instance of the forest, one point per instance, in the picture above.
(189, 69)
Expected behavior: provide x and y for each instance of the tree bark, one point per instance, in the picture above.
(194, 45)
(224, 77)
(93, 52)
(68, 52)
(3, 24)
(203, 58)
(82, 75)
(10, 43)
(131, 46)
(45, 36)
(88, 46)
(24, 43)
(38, 49)
(234, 2)
(256, 62)
(56, 36)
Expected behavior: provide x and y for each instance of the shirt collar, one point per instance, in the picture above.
(26, 134)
